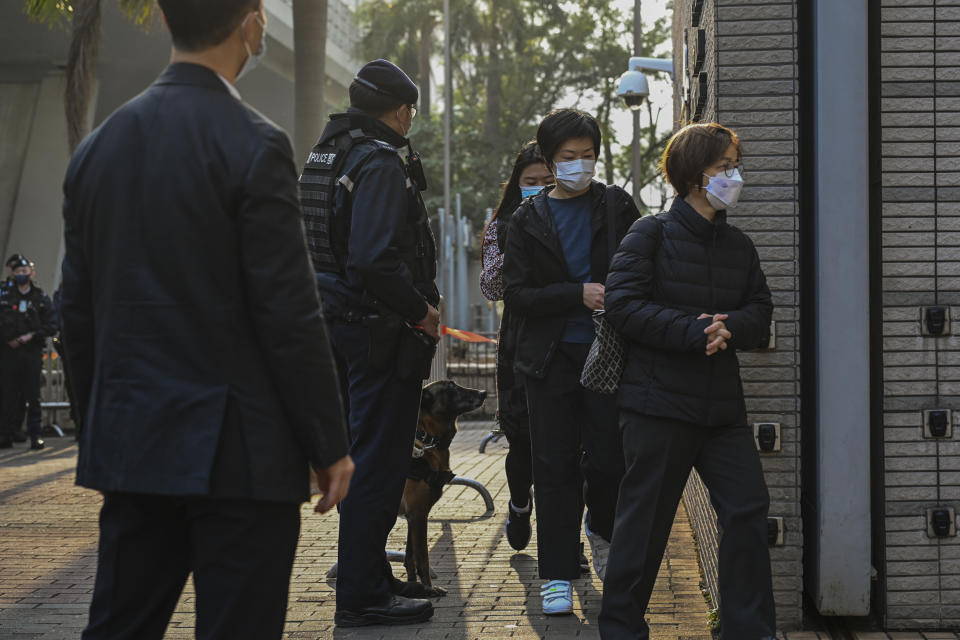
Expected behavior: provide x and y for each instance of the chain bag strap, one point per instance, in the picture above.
(606, 358)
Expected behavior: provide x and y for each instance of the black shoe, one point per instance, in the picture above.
(518, 526)
(397, 610)
(18, 436)
(36, 443)
(6, 442)
(584, 563)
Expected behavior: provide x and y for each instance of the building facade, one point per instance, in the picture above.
(33, 147)
(849, 115)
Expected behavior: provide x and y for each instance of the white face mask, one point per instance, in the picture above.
(723, 192)
(400, 122)
(253, 57)
(575, 175)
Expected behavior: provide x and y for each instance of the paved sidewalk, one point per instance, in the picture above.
(48, 536)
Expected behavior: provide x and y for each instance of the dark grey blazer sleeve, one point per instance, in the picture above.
(76, 311)
(283, 303)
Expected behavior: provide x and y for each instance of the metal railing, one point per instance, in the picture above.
(53, 388)
(474, 365)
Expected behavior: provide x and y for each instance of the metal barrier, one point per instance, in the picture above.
(474, 365)
(53, 390)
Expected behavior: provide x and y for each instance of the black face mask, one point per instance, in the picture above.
(21, 279)
(415, 170)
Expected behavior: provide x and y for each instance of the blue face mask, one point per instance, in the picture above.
(526, 192)
(21, 279)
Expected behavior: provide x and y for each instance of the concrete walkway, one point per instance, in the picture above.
(48, 537)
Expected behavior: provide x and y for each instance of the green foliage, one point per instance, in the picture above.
(713, 620)
(59, 13)
(513, 62)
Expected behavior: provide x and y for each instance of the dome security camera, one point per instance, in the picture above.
(633, 89)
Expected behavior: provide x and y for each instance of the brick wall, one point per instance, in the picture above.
(752, 84)
(751, 73)
(920, 147)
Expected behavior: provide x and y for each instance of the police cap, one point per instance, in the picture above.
(388, 79)
(17, 260)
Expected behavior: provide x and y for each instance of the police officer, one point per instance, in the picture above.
(371, 244)
(12, 263)
(18, 435)
(26, 321)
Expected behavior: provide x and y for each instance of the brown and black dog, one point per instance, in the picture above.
(441, 403)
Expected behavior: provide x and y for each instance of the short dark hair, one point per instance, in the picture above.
(561, 125)
(692, 150)
(200, 24)
(371, 102)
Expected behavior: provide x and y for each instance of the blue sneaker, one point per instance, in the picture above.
(557, 597)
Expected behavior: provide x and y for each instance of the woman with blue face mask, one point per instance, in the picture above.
(529, 176)
(555, 265)
(686, 292)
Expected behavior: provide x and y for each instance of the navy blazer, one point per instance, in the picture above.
(191, 320)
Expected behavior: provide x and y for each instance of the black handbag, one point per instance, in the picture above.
(606, 358)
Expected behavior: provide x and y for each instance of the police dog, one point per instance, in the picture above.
(440, 405)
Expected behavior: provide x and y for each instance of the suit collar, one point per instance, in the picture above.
(191, 74)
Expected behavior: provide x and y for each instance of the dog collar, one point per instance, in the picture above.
(428, 441)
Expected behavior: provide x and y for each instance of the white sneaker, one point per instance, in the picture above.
(599, 549)
(557, 597)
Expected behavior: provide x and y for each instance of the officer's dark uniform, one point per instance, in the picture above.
(376, 262)
(20, 368)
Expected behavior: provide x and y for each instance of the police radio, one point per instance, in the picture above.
(415, 170)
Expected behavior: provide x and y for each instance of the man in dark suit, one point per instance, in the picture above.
(196, 345)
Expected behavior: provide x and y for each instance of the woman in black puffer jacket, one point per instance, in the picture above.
(686, 291)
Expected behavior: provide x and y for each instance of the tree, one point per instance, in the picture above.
(83, 16)
(513, 61)
(410, 28)
(310, 63)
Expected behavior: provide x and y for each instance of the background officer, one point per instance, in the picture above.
(371, 243)
(26, 321)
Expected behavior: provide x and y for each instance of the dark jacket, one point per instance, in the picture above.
(668, 270)
(190, 312)
(538, 287)
(22, 313)
(391, 253)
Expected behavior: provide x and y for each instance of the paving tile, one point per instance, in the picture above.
(48, 546)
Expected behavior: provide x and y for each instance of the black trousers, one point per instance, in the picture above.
(572, 430)
(515, 423)
(20, 373)
(382, 412)
(239, 551)
(660, 454)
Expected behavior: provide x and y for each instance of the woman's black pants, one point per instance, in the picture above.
(572, 429)
(515, 424)
(659, 455)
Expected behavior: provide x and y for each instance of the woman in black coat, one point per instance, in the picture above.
(529, 176)
(686, 291)
(555, 264)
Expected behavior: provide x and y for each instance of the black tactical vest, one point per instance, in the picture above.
(328, 231)
(327, 234)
